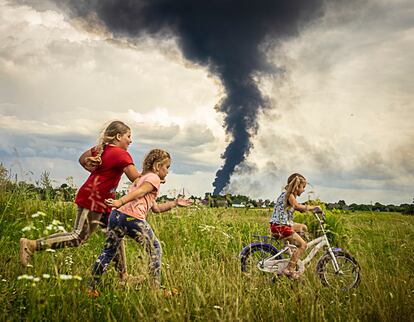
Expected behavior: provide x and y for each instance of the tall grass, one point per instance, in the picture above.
(200, 259)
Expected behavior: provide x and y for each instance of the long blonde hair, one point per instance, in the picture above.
(108, 135)
(152, 158)
(293, 183)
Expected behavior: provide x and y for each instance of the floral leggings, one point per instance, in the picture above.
(120, 225)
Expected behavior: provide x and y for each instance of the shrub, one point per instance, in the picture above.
(336, 231)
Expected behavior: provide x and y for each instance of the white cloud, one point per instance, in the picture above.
(342, 109)
(59, 85)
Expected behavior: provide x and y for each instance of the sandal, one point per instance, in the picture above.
(25, 253)
(170, 293)
(93, 293)
(291, 274)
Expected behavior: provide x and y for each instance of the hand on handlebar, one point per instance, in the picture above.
(317, 210)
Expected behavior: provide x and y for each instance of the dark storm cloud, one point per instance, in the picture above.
(227, 36)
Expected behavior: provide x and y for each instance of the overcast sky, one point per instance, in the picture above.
(342, 103)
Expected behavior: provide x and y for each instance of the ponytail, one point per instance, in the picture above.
(293, 183)
(108, 135)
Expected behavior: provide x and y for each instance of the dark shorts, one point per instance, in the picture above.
(281, 231)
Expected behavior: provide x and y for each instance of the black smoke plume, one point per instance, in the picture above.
(228, 36)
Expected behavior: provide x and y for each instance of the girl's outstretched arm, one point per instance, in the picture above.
(145, 188)
(299, 207)
(157, 208)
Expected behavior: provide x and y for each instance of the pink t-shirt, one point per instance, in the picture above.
(138, 208)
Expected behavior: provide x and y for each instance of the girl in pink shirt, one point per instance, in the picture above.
(128, 217)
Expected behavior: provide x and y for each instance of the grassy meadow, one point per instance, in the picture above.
(200, 260)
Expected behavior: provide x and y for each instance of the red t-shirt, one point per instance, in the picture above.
(103, 180)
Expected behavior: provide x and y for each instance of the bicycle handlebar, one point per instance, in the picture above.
(317, 209)
(322, 215)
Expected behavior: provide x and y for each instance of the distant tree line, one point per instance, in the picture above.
(404, 208)
(229, 200)
(43, 189)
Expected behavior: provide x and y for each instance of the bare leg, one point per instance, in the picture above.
(301, 229)
(301, 244)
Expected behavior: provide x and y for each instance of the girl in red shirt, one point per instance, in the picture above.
(106, 162)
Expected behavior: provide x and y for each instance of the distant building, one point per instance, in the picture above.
(221, 203)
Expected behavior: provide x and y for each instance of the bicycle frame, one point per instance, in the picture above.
(268, 264)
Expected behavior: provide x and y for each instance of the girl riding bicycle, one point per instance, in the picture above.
(281, 222)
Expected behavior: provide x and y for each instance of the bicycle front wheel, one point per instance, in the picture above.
(348, 275)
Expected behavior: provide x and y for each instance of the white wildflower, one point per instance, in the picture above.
(36, 279)
(50, 250)
(65, 277)
(77, 277)
(226, 235)
(25, 277)
(46, 276)
(206, 227)
(217, 307)
(3, 280)
(39, 213)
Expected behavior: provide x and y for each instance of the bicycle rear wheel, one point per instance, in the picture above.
(348, 275)
(253, 260)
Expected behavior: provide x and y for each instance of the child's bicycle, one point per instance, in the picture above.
(335, 267)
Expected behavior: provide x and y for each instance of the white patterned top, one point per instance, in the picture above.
(280, 215)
